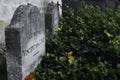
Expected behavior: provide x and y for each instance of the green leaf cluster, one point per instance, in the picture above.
(93, 36)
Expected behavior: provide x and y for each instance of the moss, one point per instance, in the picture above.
(2, 49)
(2, 25)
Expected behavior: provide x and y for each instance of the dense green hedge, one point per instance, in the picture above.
(3, 69)
(86, 47)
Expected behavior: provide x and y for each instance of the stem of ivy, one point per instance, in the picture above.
(74, 76)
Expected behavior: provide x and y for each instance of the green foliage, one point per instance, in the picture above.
(91, 37)
(3, 72)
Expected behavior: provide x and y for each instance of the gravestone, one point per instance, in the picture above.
(7, 8)
(52, 18)
(25, 42)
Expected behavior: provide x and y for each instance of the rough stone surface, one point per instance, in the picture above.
(25, 41)
(7, 8)
(52, 18)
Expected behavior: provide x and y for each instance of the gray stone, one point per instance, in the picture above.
(25, 42)
(52, 18)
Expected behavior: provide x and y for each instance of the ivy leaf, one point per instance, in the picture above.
(107, 33)
(62, 59)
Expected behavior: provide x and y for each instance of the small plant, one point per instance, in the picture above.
(3, 71)
(29, 77)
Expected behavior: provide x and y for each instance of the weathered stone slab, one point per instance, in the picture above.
(25, 41)
(7, 8)
(52, 18)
